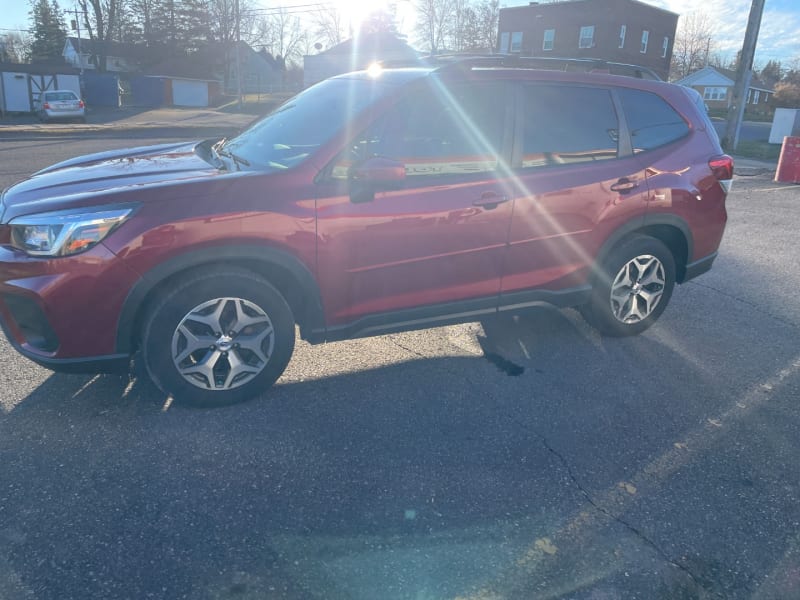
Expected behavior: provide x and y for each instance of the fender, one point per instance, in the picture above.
(312, 320)
(638, 225)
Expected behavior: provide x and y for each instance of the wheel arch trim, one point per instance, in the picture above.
(641, 226)
(312, 319)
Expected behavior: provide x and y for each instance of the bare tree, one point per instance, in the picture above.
(282, 34)
(330, 25)
(488, 12)
(14, 47)
(434, 22)
(694, 44)
(100, 21)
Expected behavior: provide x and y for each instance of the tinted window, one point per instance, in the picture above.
(564, 124)
(436, 131)
(652, 122)
(60, 96)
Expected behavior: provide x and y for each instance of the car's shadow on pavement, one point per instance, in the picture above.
(426, 475)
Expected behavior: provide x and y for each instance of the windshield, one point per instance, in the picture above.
(289, 135)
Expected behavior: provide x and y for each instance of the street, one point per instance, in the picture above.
(750, 131)
(525, 457)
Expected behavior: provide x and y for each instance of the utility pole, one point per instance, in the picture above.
(238, 56)
(744, 73)
(77, 27)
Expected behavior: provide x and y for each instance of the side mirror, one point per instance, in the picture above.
(376, 173)
(379, 171)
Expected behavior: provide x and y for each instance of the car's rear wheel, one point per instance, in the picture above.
(218, 337)
(632, 287)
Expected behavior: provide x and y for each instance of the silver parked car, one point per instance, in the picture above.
(60, 104)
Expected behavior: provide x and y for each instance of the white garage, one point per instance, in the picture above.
(189, 92)
(21, 84)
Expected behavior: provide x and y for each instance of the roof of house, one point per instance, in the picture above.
(203, 63)
(717, 76)
(39, 68)
(373, 44)
(117, 49)
(601, 3)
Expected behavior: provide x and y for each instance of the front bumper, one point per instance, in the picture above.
(63, 313)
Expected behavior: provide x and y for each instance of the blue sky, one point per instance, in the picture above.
(779, 37)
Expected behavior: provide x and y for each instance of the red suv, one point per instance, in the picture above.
(370, 203)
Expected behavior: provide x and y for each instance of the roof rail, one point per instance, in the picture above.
(446, 62)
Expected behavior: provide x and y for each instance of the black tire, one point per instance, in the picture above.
(635, 305)
(238, 373)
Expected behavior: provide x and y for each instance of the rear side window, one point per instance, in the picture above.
(566, 124)
(652, 122)
(60, 96)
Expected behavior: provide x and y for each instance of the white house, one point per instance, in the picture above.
(21, 84)
(716, 87)
(83, 53)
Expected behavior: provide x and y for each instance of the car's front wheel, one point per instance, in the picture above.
(632, 287)
(218, 337)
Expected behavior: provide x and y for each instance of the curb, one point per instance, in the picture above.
(160, 129)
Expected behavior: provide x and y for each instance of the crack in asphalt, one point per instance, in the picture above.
(407, 349)
(637, 532)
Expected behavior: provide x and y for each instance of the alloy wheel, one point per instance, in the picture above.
(223, 343)
(637, 289)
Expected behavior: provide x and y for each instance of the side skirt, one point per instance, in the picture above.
(450, 313)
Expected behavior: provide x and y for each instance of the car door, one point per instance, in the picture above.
(436, 238)
(576, 183)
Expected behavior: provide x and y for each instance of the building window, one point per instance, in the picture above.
(504, 37)
(645, 38)
(587, 37)
(549, 37)
(516, 41)
(749, 97)
(622, 36)
(755, 97)
(665, 47)
(715, 93)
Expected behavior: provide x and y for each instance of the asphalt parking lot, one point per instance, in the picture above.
(523, 457)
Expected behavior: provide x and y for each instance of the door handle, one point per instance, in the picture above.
(490, 200)
(623, 186)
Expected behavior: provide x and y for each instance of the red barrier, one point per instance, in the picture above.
(789, 162)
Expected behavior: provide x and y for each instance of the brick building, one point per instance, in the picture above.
(626, 31)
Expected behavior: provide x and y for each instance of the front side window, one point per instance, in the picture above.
(549, 38)
(516, 41)
(565, 125)
(622, 36)
(645, 39)
(651, 121)
(434, 131)
(587, 37)
(290, 134)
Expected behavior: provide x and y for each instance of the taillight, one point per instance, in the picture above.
(722, 168)
(46, 106)
(80, 103)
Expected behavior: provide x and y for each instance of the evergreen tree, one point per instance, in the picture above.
(49, 30)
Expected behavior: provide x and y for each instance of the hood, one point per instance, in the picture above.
(92, 178)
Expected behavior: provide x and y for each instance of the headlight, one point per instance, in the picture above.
(64, 232)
